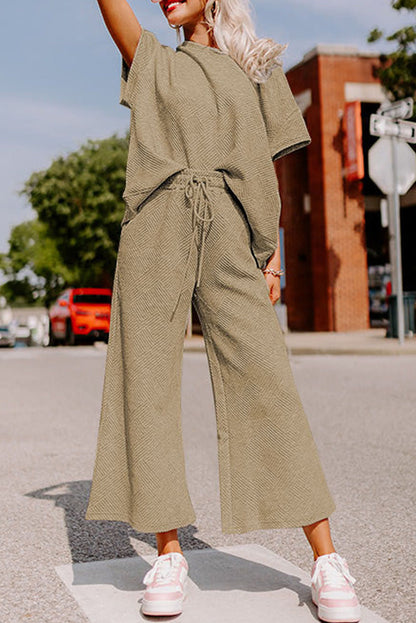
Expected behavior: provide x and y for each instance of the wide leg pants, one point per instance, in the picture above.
(190, 241)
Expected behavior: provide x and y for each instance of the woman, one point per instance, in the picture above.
(201, 224)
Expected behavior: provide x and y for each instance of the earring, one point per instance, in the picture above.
(178, 33)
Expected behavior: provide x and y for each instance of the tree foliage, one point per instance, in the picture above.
(397, 70)
(33, 267)
(74, 239)
(79, 201)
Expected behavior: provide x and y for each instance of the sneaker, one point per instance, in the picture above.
(332, 590)
(165, 584)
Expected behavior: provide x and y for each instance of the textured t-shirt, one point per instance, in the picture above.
(195, 107)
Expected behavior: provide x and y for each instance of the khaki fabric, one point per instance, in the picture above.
(202, 201)
(196, 107)
(269, 468)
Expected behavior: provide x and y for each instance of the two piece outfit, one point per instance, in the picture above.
(201, 220)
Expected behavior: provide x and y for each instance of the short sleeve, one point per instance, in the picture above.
(149, 59)
(285, 126)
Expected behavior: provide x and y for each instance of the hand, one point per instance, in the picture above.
(274, 287)
(273, 281)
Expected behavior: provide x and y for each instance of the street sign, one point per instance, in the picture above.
(392, 166)
(402, 109)
(380, 164)
(380, 125)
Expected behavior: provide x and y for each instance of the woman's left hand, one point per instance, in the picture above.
(273, 281)
(274, 287)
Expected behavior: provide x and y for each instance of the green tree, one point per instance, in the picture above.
(397, 70)
(78, 200)
(33, 267)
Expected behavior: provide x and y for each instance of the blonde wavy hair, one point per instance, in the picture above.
(232, 27)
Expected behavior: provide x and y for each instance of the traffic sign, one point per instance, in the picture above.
(392, 166)
(380, 164)
(402, 109)
(380, 125)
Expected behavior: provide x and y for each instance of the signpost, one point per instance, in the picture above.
(380, 160)
(392, 166)
(402, 109)
(380, 125)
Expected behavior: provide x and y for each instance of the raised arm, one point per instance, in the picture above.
(122, 25)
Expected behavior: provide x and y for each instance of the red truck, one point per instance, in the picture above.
(80, 314)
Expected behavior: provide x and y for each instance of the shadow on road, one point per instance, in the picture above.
(103, 542)
(92, 540)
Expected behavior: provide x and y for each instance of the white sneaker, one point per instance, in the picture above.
(332, 590)
(165, 582)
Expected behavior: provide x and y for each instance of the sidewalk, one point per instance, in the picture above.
(368, 342)
(239, 583)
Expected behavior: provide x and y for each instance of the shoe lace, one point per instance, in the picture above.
(162, 569)
(335, 570)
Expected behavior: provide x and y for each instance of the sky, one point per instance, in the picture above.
(61, 73)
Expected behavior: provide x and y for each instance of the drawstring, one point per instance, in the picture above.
(197, 191)
(198, 188)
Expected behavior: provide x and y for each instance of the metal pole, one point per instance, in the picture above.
(392, 244)
(398, 254)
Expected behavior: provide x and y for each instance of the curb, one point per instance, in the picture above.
(196, 344)
(391, 347)
(299, 350)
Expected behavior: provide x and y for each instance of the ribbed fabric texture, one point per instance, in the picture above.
(200, 177)
(269, 468)
(195, 107)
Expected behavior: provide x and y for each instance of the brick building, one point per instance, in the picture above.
(323, 215)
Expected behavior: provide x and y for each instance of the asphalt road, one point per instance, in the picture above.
(362, 412)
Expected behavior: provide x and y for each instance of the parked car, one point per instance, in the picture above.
(7, 335)
(80, 314)
(22, 332)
